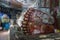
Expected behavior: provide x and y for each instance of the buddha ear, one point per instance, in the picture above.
(51, 20)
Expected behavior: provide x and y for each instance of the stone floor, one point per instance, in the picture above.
(4, 35)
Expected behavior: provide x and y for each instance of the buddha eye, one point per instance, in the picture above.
(45, 18)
